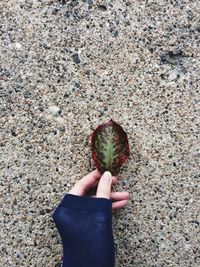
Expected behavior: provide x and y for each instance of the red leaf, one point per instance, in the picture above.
(109, 146)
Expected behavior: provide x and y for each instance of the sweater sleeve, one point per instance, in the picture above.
(85, 227)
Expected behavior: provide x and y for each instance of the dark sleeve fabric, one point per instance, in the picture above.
(85, 227)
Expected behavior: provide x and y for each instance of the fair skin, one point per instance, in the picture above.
(104, 188)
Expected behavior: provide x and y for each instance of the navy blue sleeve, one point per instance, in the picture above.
(85, 228)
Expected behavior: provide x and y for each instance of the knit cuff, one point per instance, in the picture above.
(87, 203)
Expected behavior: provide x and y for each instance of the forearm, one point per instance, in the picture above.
(85, 227)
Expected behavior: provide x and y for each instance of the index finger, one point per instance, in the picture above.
(85, 183)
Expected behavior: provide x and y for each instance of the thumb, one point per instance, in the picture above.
(104, 186)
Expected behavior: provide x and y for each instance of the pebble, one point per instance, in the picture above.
(54, 110)
(76, 58)
(172, 75)
(18, 46)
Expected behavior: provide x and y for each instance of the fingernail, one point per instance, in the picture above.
(107, 176)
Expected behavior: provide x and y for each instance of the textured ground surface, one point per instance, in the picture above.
(66, 69)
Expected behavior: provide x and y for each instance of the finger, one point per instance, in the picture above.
(85, 183)
(104, 186)
(114, 181)
(119, 204)
(116, 196)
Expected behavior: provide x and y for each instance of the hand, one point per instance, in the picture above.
(104, 184)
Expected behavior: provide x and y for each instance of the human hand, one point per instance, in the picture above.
(103, 184)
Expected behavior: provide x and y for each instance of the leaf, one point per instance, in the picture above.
(109, 146)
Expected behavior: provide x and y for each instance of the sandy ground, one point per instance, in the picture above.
(65, 69)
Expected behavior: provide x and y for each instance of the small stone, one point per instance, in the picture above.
(76, 58)
(55, 11)
(54, 110)
(18, 46)
(13, 133)
(102, 7)
(50, 137)
(172, 76)
(27, 94)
